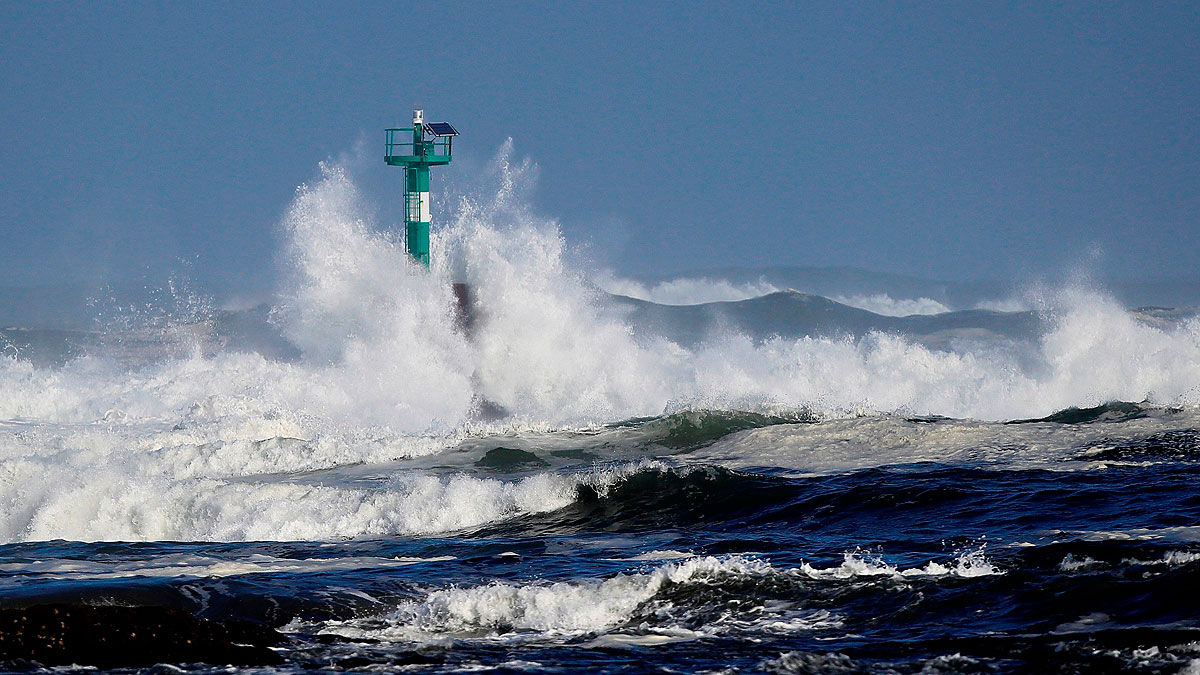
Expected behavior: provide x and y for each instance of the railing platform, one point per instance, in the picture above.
(400, 150)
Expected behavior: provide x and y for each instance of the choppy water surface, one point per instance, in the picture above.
(770, 482)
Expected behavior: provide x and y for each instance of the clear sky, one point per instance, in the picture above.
(947, 140)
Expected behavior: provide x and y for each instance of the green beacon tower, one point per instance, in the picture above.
(417, 148)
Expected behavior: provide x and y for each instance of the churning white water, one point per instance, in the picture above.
(186, 447)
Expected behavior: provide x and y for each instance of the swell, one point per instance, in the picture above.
(602, 481)
(980, 606)
(692, 429)
(1075, 604)
(896, 503)
(1023, 590)
(1112, 411)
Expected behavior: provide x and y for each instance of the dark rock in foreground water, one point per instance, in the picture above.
(129, 636)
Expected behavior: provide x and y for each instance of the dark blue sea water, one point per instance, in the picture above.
(714, 476)
(1084, 561)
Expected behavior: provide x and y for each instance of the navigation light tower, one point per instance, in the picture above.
(416, 149)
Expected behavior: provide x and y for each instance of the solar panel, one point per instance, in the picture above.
(441, 129)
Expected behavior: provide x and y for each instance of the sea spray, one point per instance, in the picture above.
(171, 445)
(379, 347)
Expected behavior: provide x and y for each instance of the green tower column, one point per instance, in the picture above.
(416, 158)
(416, 213)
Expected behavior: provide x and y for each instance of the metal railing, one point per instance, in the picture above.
(399, 143)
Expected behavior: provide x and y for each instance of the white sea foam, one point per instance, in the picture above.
(685, 291)
(132, 498)
(1072, 564)
(1181, 557)
(380, 350)
(555, 610)
(882, 303)
(973, 563)
(700, 290)
(561, 607)
(111, 505)
(840, 445)
(1169, 559)
(580, 607)
(195, 566)
(1187, 534)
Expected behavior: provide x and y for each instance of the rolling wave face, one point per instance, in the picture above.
(556, 608)
(695, 597)
(88, 483)
(737, 602)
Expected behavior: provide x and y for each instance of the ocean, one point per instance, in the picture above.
(704, 474)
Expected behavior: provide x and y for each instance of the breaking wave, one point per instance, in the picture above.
(379, 347)
(564, 606)
(686, 291)
(695, 596)
(122, 445)
(881, 303)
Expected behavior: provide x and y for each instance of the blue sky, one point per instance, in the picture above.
(953, 141)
